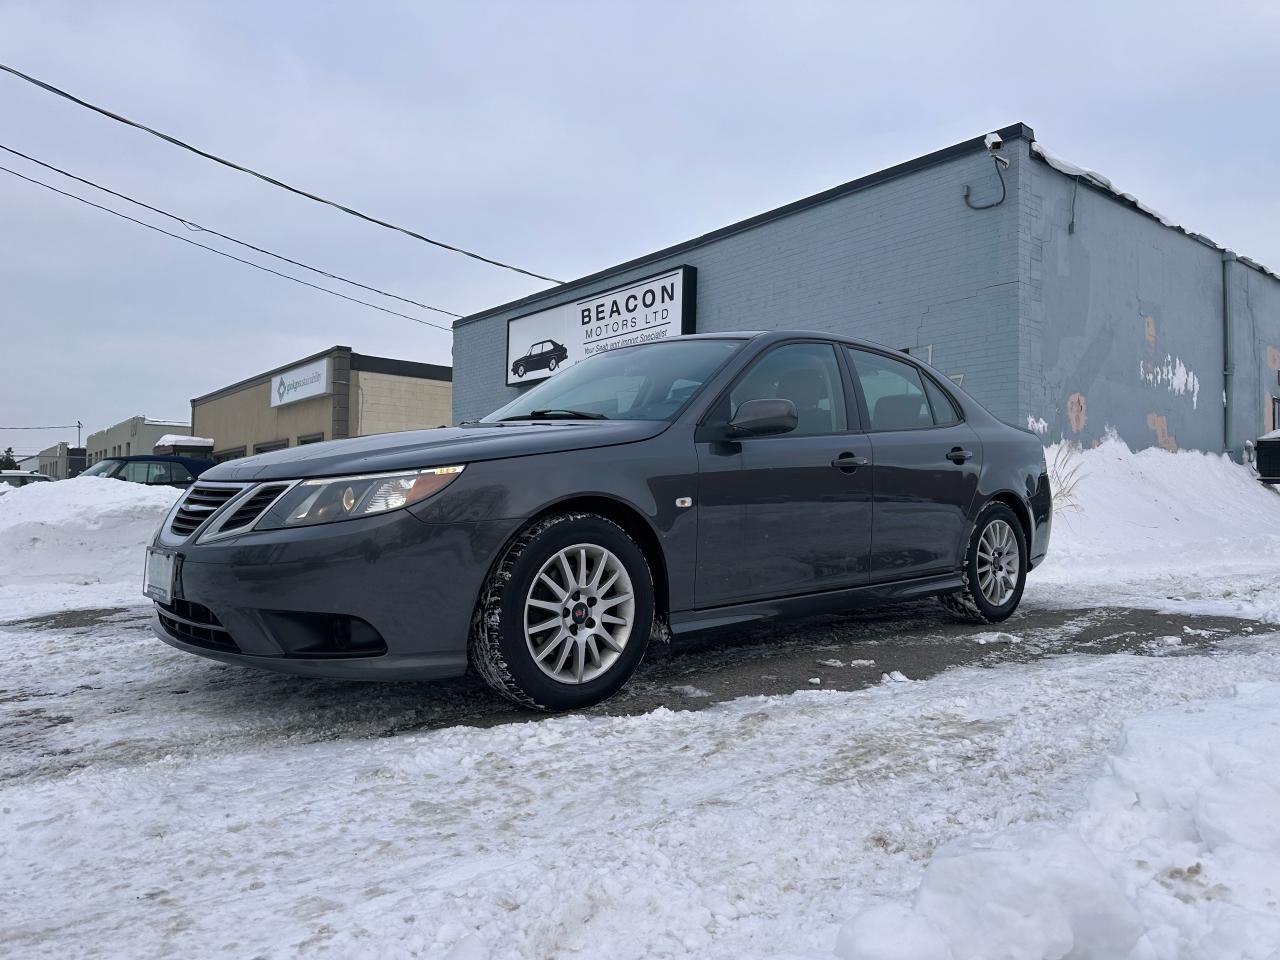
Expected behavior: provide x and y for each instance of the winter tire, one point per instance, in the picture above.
(564, 618)
(995, 569)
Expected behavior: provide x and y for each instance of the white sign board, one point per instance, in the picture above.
(300, 383)
(541, 344)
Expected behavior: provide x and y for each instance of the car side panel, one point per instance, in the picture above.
(646, 478)
(1012, 467)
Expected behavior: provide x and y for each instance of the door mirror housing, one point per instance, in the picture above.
(763, 418)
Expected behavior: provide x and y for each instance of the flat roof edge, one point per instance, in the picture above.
(256, 378)
(1013, 131)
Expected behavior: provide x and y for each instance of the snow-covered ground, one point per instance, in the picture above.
(1077, 806)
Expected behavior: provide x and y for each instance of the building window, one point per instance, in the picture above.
(1275, 413)
(220, 456)
(311, 438)
(270, 445)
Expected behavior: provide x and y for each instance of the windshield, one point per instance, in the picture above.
(103, 468)
(651, 381)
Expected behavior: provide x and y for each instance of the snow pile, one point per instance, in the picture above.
(1177, 531)
(76, 543)
(179, 440)
(1176, 855)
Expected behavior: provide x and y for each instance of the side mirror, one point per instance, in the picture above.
(763, 418)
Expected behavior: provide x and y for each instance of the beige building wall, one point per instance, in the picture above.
(130, 437)
(386, 403)
(245, 418)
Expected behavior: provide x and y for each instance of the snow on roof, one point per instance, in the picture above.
(1102, 183)
(175, 440)
(166, 423)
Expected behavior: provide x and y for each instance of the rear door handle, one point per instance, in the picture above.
(959, 455)
(848, 463)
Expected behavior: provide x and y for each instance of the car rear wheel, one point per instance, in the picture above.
(995, 569)
(564, 619)
(552, 364)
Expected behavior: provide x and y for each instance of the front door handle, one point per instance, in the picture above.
(959, 455)
(848, 463)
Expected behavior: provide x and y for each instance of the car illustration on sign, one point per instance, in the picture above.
(647, 491)
(543, 355)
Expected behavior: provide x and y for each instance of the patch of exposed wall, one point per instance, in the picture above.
(1160, 425)
(1172, 374)
(1076, 414)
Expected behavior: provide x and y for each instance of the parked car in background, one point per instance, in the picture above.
(650, 490)
(1266, 457)
(543, 355)
(9, 479)
(151, 469)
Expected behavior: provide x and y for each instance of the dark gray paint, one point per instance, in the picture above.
(415, 574)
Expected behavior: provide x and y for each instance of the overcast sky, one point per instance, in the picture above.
(562, 137)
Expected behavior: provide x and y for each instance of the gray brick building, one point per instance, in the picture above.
(1060, 303)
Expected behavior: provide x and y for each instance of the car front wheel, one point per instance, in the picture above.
(519, 370)
(564, 618)
(995, 569)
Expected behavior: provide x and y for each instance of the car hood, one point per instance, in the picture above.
(433, 448)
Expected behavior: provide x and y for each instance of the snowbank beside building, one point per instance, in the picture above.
(76, 542)
(1180, 531)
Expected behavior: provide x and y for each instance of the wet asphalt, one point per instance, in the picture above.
(847, 652)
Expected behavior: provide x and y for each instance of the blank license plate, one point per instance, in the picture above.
(159, 579)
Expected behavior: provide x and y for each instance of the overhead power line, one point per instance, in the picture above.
(267, 179)
(56, 426)
(223, 253)
(192, 225)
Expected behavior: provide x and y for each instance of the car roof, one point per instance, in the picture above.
(157, 457)
(775, 335)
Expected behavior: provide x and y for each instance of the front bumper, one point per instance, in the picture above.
(386, 597)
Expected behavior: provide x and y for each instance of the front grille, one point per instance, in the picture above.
(247, 513)
(1268, 459)
(194, 623)
(199, 504)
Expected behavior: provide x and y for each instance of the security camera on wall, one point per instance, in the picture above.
(993, 144)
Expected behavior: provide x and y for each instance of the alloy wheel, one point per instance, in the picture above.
(579, 613)
(998, 563)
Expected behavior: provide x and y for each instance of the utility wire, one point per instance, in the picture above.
(223, 253)
(262, 176)
(56, 426)
(192, 225)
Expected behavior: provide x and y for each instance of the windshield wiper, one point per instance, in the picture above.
(556, 414)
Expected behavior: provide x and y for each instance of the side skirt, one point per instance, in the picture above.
(831, 601)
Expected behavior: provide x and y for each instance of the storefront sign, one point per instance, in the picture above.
(540, 345)
(300, 383)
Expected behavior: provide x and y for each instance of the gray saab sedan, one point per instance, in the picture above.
(647, 491)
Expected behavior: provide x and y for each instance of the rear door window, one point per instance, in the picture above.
(893, 391)
(944, 411)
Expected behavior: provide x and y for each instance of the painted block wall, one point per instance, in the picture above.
(904, 263)
(385, 403)
(1255, 352)
(1122, 321)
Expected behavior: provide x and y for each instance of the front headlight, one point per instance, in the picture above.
(345, 498)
